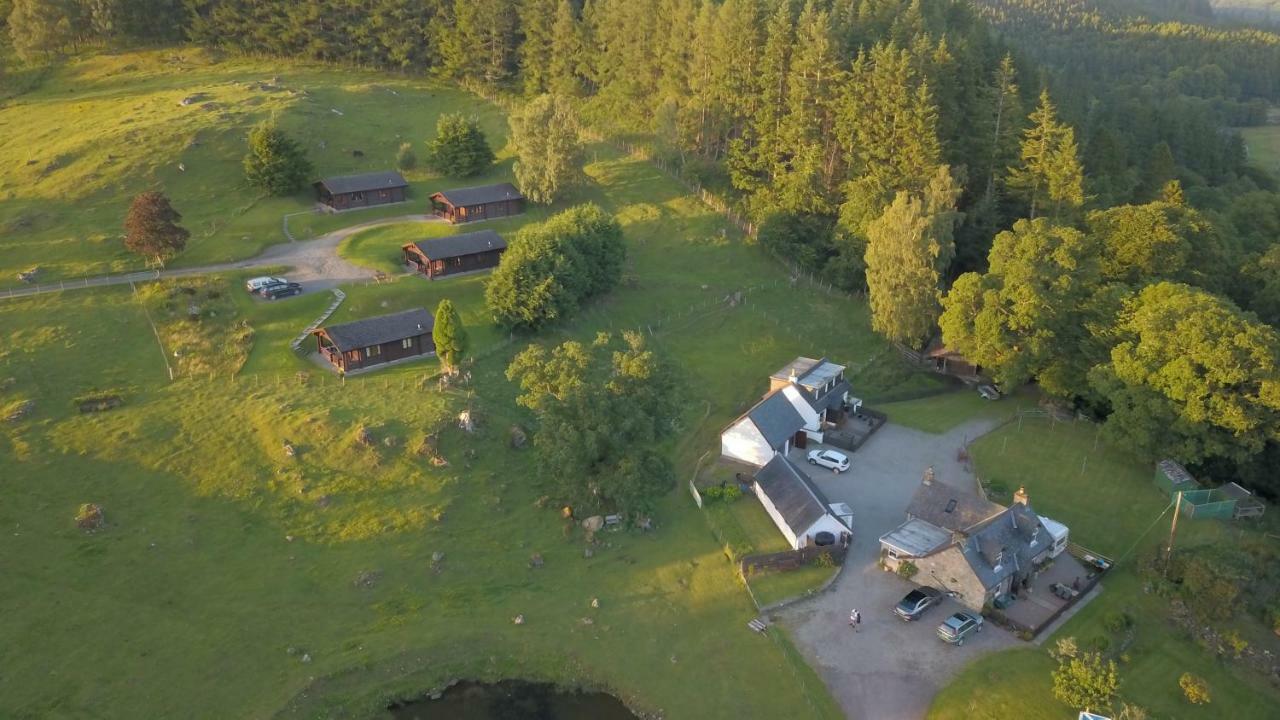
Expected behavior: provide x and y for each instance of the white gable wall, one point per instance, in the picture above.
(812, 423)
(742, 441)
(826, 523)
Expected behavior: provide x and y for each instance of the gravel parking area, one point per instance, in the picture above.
(889, 669)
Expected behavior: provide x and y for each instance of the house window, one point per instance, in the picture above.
(406, 343)
(354, 355)
(357, 196)
(373, 350)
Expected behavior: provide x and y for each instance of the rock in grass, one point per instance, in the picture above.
(367, 579)
(535, 560)
(90, 517)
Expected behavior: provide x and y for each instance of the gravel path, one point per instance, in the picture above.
(315, 263)
(889, 669)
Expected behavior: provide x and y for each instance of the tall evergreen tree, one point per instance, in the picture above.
(1005, 114)
(1050, 174)
(564, 66)
(449, 336)
(754, 158)
(804, 179)
(275, 162)
(536, 21)
(459, 148)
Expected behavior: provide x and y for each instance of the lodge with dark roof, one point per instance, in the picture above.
(484, 202)
(455, 254)
(344, 192)
(376, 341)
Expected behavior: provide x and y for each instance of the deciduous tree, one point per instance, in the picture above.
(151, 227)
(1086, 681)
(548, 148)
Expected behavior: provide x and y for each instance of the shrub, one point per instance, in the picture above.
(1194, 688)
(1086, 681)
(721, 493)
(275, 162)
(406, 159)
(907, 569)
(1118, 621)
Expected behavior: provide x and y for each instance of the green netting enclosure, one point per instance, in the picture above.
(1223, 503)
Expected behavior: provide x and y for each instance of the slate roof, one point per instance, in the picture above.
(831, 398)
(1009, 533)
(946, 507)
(775, 418)
(381, 329)
(797, 499)
(459, 245)
(462, 197)
(368, 182)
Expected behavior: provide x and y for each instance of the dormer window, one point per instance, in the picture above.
(951, 506)
(1035, 535)
(999, 561)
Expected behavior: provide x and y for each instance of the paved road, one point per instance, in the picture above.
(889, 670)
(316, 264)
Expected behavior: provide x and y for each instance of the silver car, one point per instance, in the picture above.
(959, 626)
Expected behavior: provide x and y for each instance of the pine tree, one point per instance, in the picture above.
(1050, 172)
(804, 180)
(548, 148)
(564, 66)
(406, 159)
(754, 158)
(151, 227)
(536, 20)
(275, 162)
(459, 148)
(1005, 114)
(449, 336)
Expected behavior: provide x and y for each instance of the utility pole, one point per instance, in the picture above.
(1173, 529)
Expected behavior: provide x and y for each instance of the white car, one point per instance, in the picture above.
(255, 285)
(837, 462)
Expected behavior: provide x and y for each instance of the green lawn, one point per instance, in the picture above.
(939, 413)
(774, 587)
(1263, 144)
(222, 553)
(1108, 500)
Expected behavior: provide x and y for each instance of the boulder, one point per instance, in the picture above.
(90, 517)
(593, 523)
(518, 437)
(535, 560)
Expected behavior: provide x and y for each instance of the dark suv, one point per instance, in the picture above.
(279, 290)
(916, 602)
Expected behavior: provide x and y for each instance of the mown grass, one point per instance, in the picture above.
(223, 553)
(772, 587)
(1112, 507)
(939, 413)
(1263, 144)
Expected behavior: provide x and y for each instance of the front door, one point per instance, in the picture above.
(801, 440)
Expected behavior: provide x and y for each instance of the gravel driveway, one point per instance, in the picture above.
(889, 669)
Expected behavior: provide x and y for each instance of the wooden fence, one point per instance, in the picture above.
(790, 559)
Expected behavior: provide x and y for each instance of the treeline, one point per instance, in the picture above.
(42, 28)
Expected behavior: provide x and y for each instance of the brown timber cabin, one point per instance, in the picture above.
(456, 254)
(478, 203)
(377, 340)
(345, 192)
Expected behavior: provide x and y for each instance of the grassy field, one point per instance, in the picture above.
(106, 127)
(1108, 500)
(379, 248)
(1263, 144)
(939, 413)
(235, 581)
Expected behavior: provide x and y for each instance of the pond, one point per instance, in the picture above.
(513, 700)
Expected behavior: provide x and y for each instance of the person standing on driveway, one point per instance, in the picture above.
(855, 618)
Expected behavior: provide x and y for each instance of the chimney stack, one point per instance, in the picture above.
(928, 476)
(1021, 495)
(792, 375)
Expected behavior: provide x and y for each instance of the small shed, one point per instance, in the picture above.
(1172, 478)
(344, 192)
(946, 361)
(799, 510)
(377, 340)
(484, 202)
(456, 254)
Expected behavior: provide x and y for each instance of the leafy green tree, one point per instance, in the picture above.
(602, 411)
(1039, 312)
(41, 28)
(552, 267)
(908, 250)
(275, 163)
(406, 159)
(449, 336)
(1050, 175)
(1086, 681)
(1194, 689)
(459, 148)
(151, 227)
(1191, 376)
(1263, 276)
(549, 151)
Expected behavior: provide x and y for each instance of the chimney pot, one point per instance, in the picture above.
(1021, 495)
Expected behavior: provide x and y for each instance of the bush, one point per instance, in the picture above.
(1194, 688)
(1086, 681)
(406, 159)
(805, 240)
(907, 569)
(721, 493)
(1118, 621)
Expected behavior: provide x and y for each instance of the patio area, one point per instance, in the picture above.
(1039, 605)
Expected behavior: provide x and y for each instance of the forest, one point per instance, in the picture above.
(1057, 185)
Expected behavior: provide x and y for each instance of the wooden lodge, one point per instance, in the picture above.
(478, 203)
(377, 340)
(345, 192)
(456, 254)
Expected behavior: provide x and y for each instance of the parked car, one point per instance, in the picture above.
(959, 626)
(836, 462)
(255, 285)
(988, 392)
(279, 290)
(917, 601)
